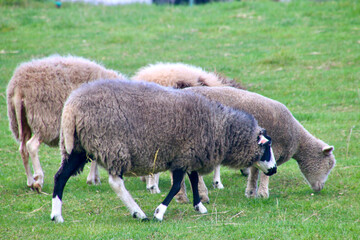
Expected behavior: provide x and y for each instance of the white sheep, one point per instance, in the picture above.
(181, 75)
(35, 97)
(122, 125)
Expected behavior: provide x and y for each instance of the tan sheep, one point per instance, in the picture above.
(35, 97)
(180, 75)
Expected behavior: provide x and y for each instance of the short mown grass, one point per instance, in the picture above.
(305, 54)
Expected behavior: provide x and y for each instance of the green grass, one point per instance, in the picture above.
(305, 54)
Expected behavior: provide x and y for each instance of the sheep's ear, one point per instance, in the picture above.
(263, 132)
(327, 150)
(262, 140)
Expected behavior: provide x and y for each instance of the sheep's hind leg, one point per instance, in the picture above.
(217, 180)
(32, 147)
(69, 167)
(251, 187)
(24, 136)
(194, 180)
(177, 176)
(117, 184)
(94, 177)
(25, 158)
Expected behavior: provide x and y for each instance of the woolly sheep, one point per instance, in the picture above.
(181, 75)
(178, 75)
(122, 125)
(173, 73)
(35, 97)
(289, 138)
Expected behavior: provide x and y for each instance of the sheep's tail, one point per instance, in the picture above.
(15, 113)
(68, 128)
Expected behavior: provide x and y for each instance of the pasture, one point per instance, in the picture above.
(305, 54)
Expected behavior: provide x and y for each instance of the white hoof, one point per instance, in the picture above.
(262, 193)
(140, 215)
(200, 208)
(57, 219)
(38, 184)
(56, 210)
(30, 182)
(93, 181)
(159, 212)
(218, 185)
(154, 189)
(250, 193)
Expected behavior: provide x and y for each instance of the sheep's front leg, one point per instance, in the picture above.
(117, 184)
(177, 176)
(94, 177)
(33, 148)
(194, 180)
(216, 180)
(251, 188)
(263, 190)
(152, 183)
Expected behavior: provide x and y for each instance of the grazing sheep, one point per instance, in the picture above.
(123, 125)
(35, 97)
(289, 138)
(179, 75)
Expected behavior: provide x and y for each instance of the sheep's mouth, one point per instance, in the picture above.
(271, 171)
(267, 171)
(318, 186)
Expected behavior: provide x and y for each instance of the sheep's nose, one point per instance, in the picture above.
(271, 171)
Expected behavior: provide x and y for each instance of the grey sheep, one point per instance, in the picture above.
(122, 125)
(253, 103)
(179, 75)
(35, 97)
(289, 138)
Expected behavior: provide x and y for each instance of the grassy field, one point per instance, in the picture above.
(305, 54)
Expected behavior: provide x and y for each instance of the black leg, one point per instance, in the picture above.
(71, 166)
(194, 180)
(178, 176)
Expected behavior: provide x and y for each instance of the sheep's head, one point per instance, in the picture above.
(316, 168)
(267, 162)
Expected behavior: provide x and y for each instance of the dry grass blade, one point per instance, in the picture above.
(348, 142)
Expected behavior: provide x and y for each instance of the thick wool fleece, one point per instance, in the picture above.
(39, 88)
(124, 124)
(180, 75)
(289, 137)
